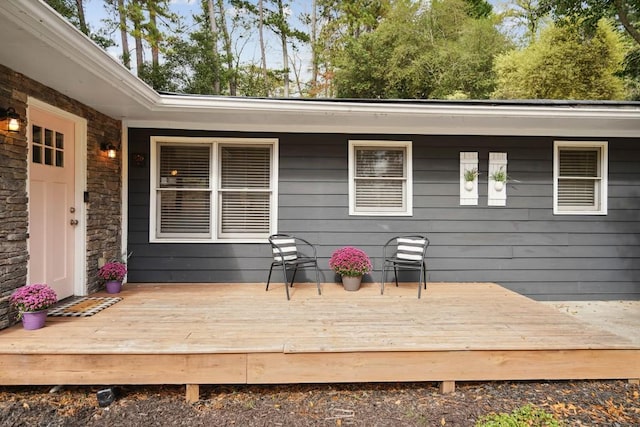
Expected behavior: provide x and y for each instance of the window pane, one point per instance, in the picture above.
(184, 166)
(48, 137)
(380, 194)
(48, 156)
(36, 153)
(59, 140)
(59, 158)
(574, 163)
(245, 167)
(36, 145)
(579, 192)
(245, 212)
(36, 134)
(379, 163)
(184, 211)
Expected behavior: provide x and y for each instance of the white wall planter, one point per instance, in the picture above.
(468, 189)
(497, 190)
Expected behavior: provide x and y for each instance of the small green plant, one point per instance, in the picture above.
(470, 174)
(499, 176)
(525, 416)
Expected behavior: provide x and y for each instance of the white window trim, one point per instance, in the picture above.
(215, 144)
(604, 161)
(353, 144)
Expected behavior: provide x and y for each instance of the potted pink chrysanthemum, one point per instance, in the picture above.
(350, 263)
(113, 274)
(32, 303)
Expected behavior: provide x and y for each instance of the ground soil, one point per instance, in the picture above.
(576, 403)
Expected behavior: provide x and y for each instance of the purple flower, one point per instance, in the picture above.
(34, 297)
(113, 271)
(349, 261)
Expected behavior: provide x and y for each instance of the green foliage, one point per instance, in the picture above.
(421, 50)
(526, 416)
(564, 63)
(479, 8)
(588, 13)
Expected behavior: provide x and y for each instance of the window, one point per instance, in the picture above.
(207, 189)
(380, 178)
(580, 178)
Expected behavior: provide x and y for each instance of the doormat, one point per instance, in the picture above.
(84, 307)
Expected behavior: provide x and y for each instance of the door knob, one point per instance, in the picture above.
(73, 222)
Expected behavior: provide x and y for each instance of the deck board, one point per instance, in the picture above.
(237, 333)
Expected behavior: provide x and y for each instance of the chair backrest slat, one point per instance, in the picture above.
(411, 249)
(284, 248)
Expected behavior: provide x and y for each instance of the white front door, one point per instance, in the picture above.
(52, 204)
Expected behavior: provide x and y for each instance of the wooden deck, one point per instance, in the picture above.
(237, 333)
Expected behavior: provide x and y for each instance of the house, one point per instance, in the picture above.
(199, 182)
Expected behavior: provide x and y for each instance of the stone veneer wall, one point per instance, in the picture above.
(103, 184)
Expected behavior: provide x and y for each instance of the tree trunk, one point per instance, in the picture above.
(213, 27)
(623, 14)
(263, 54)
(136, 17)
(126, 55)
(154, 38)
(314, 47)
(227, 47)
(81, 19)
(285, 53)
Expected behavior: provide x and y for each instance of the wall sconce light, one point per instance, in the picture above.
(10, 119)
(110, 149)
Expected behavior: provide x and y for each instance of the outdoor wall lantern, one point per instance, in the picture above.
(110, 149)
(10, 119)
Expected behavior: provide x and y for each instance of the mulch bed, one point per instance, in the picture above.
(575, 403)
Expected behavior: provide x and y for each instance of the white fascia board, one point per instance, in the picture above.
(277, 115)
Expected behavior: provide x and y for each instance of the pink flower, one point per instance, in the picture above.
(349, 261)
(113, 271)
(34, 297)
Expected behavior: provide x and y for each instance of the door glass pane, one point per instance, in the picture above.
(36, 144)
(48, 137)
(48, 156)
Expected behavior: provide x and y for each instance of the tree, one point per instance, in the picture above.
(588, 13)
(526, 13)
(564, 63)
(421, 50)
(73, 10)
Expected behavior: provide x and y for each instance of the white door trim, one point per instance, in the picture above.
(80, 234)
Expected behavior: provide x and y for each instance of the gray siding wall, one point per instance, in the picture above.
(522, 246)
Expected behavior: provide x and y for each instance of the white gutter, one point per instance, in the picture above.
(90, 75)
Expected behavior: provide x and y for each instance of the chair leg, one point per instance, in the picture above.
(286, 285)
(318, 279)
(384, 270)
(395, 272)
(295, 270)
(420, 283)
(424, 267)
(269, 278)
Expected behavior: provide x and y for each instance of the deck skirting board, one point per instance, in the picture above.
(282, 368)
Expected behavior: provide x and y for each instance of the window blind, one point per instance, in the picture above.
(183, 207)
(245, 190)
(578, 177)
(380, 179)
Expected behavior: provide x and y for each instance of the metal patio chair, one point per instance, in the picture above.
(405, 252)
(286, 254)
